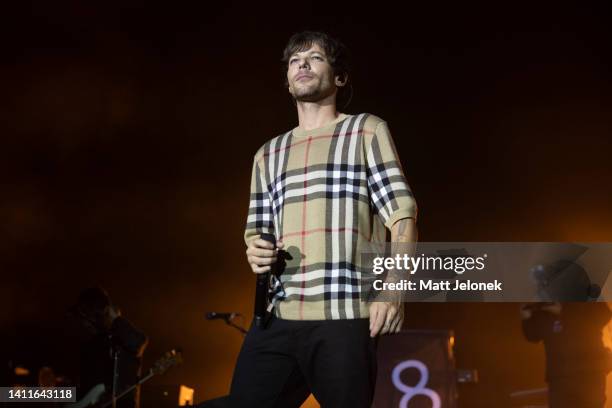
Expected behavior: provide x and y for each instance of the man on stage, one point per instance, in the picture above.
(577, 362)
(325, 189)
(108, 331)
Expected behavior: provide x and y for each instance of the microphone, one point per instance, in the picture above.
(261, 287)
(221, 315)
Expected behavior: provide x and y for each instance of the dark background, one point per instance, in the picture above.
(127, 135)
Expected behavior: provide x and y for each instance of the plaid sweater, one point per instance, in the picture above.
(325, 193)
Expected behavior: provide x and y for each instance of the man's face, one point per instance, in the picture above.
(310, 76)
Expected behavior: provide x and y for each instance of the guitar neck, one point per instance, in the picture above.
(130, 389)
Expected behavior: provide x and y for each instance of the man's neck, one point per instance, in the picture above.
(313, 115)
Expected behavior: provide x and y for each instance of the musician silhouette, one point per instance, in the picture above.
(110, 335)
(576, 360)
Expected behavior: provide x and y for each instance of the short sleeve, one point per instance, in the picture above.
(390, 195)
(260, 218)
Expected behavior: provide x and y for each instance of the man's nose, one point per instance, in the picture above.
(304, 63)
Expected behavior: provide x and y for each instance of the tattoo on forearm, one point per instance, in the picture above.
(402, 226)
(403, 231)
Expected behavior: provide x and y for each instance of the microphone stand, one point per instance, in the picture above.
(115, 375)
(227, 318)
(235, 326)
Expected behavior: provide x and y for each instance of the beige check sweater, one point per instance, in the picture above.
(325, 193)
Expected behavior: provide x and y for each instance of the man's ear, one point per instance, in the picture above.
(341, 80)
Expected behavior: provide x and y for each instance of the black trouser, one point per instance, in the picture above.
(280, 365)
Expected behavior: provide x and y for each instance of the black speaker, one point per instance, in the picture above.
(416, 369)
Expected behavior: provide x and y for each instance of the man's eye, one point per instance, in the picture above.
(317, 57)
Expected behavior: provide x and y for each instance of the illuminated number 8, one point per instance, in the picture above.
(419, 389)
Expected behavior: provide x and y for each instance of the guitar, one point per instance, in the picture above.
(96, 398)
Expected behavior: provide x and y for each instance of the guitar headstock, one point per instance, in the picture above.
(169, 359)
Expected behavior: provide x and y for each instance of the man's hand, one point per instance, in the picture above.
(554, 308)
(386, 317)
(527, 312)
(261, 254)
